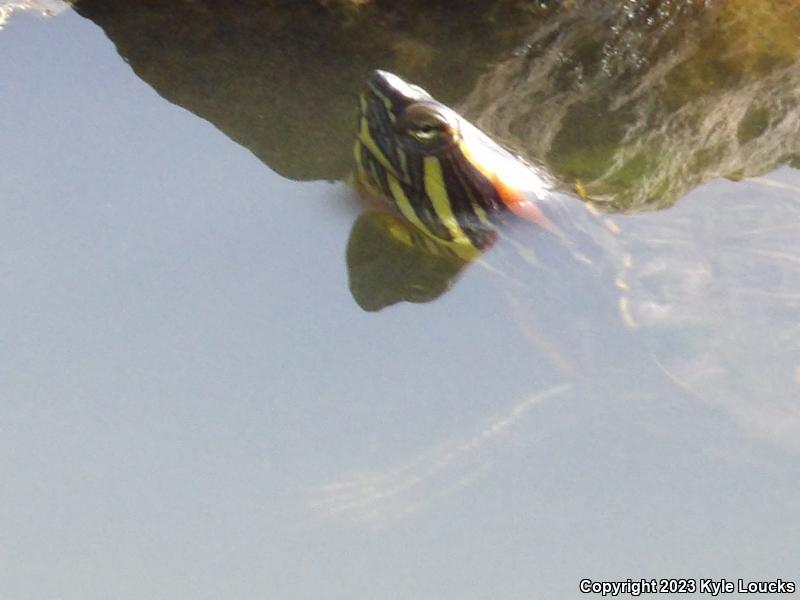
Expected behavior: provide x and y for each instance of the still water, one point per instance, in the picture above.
(196, 404)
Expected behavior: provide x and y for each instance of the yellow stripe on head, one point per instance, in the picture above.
(365, 172)
(404, 204)
(386, 102)
(365, 137)
(461, 246)
(412, 237)
(436, 190)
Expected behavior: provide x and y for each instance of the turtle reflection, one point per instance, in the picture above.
(390, 261)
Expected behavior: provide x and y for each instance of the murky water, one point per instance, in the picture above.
(194, 402)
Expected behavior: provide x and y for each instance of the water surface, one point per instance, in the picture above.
(195, 406)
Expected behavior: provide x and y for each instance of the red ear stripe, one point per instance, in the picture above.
(521, 206)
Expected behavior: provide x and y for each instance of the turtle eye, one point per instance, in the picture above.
(425, 122)
(426, 132)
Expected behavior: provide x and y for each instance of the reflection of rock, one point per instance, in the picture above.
(281, 77)
(43, 7)
(639, 100)
(390, 261)
(643, 100)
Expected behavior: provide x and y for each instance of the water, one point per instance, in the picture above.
(195, 406)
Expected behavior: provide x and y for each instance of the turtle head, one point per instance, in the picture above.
(397, 118)
(443, 174)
